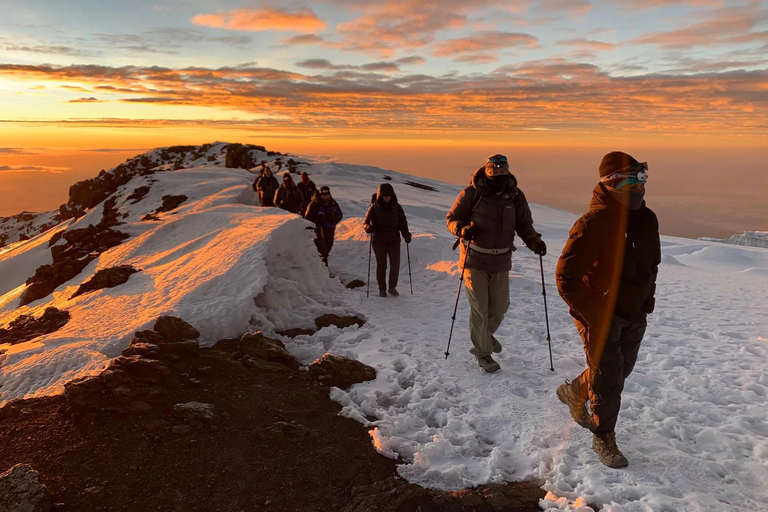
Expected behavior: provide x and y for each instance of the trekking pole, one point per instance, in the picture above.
(370, 245)
(458, 294)
(408, 252)
(546, 313)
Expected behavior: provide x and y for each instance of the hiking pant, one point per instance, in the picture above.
(382, 251)
(324, 242)
(488, 296)
(265, 199)
(608, 365)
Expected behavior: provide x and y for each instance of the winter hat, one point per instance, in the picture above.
(623, 165)
(287, 177)
(304, 177)
(494, 164)
(325, 190)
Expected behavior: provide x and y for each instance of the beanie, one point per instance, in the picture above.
(615, 161)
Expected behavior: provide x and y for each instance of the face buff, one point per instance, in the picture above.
(631, 198)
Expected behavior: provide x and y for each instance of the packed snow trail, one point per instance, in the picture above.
(693, 421)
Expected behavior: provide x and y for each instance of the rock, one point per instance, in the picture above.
(499, 501)
(149, 350)
(261, 366)
(292, 333)
(171, 202)
(22, 491)
(339, 321)
(340, 372)
(138, 194)
(355, 284)
(195, 411)
(141, 369)
(184, 348)
(26, 327)
(138, 407)
(85, 393)
(106, 278)
(471, 500)
(181, 430)
(258, 346)
(175, 329)
(150, 337)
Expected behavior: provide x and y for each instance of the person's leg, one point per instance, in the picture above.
(380, 250)
(329, 234)
(630, 343)
(477, 284)
(606, 376)
(498, 292)
(394, 260)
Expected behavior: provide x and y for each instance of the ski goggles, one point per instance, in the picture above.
(637, 173)
(496, 160)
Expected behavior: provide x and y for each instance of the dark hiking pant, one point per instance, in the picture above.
(382, 251)
(324, 242)
(608, 365)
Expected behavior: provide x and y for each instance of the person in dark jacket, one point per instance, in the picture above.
(288, 196)
(386, 221)
(486, 216)
(607, 276)
(325, 212)
(267, 185)
(308, 190)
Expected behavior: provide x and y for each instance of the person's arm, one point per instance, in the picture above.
(403, 224)
(579, 254)
(369, 221)
(459, 215)
(524, 222)
(311, 212)
(650, 300)
(339, 215)
(278, 198)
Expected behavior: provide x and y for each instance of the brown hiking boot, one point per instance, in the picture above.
(575, 403)
(610, 455)
(488, 364)
(496, 345)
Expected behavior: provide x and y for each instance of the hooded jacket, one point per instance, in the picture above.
(267, 186)
(324, 215)
(610, 261)
(288, 196)
(386, 221)
(497, 217)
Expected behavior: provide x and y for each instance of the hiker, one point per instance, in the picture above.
(607, 276)
(255, 187)
(308, 189)
(267, 185)
(325, 212)
(288, 196)
(486, 216)
(386, 221)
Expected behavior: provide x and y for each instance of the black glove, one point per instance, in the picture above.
(407, 237)
(539, 247)
(369, 228)
(468, 232)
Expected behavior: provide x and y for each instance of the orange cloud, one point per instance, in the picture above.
(587, 44)
(479, 44)
(266, 18)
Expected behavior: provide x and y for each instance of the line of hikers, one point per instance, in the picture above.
(606, 275)
(385, 220)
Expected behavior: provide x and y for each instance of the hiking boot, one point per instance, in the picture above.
(496, 345)
(610, 455)
(393, 292)
(575, 403)
(382, 293)
(488, 364)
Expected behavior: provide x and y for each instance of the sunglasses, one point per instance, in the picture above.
(637, 173)
(497, 160)
(325, 193)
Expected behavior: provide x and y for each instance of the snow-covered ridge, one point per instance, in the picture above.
(748, 238)
(693, 413)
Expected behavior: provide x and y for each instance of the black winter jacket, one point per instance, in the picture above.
(610, 261)
(386, 221)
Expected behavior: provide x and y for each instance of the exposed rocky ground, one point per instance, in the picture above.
(241, 426)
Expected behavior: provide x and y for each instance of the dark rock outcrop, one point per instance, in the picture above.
(340, 372)
(172, 339)
(292, 333)
(26, 327)
(138, 194)
(257, 346)
(357, 283)
(239, 157)
(22, 491)
(339, 321)
(106, 278)
(171, 202)
(175, 329)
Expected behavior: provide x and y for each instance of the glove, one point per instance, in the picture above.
(539, 247)
(468, 232)
(369, 228)
(407, 237)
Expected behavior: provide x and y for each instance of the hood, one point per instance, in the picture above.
(304, 177)
(289, 182)
(478, 181)
(385, 189)
(602, 200)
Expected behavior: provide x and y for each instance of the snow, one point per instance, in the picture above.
(693, 421)
(749, 238)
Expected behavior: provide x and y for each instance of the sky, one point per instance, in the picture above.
(424, 85)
